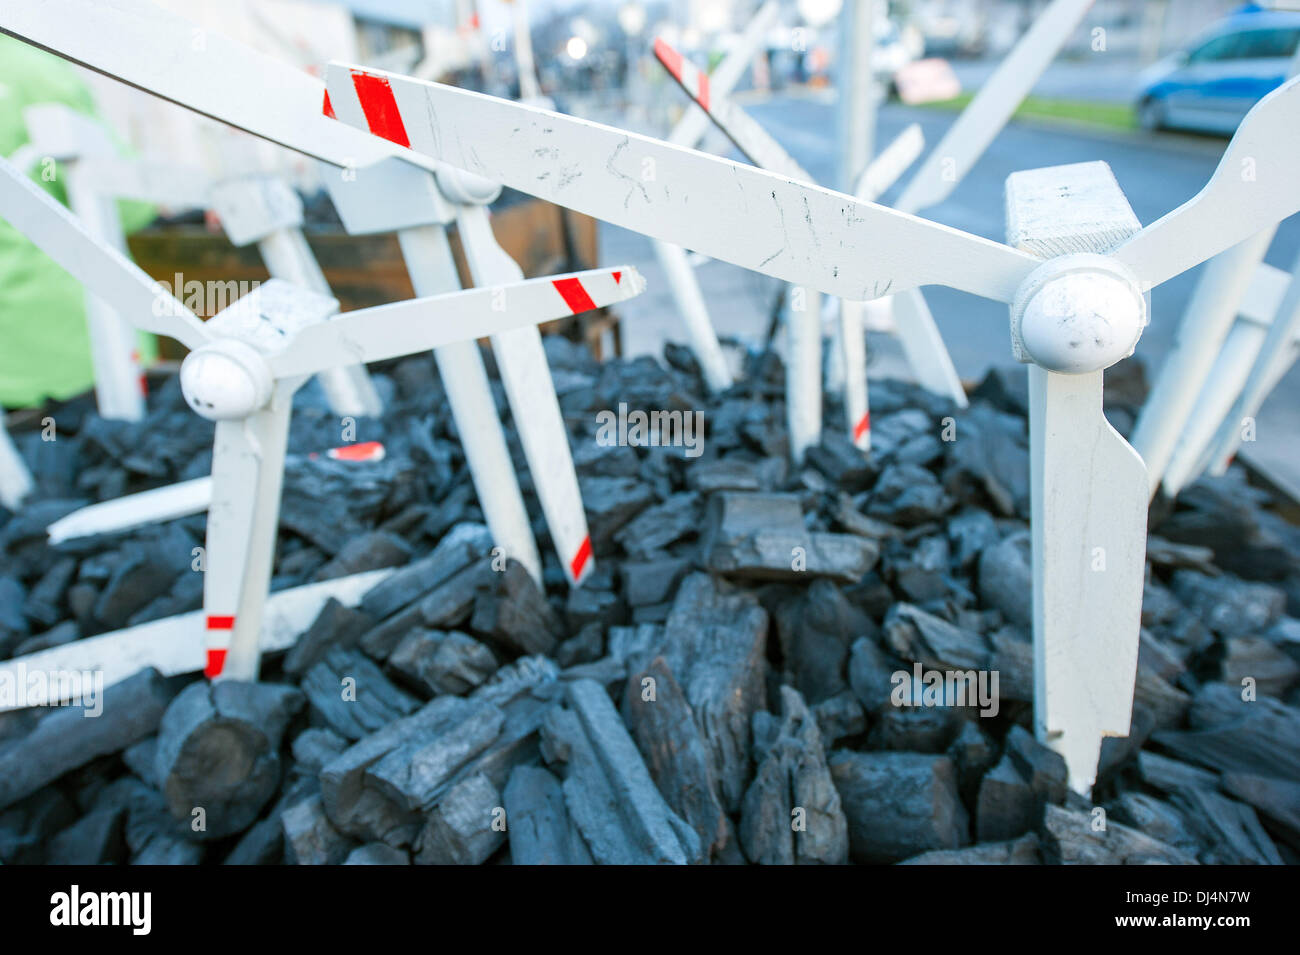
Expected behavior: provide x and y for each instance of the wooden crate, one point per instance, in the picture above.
(368, 270)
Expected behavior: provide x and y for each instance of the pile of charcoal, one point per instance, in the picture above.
(725, 687)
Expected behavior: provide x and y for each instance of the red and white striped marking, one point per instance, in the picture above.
(366, 451)
(219, 629)
(370, 103)
(862, 431)
(694, 80)
(593, 289)
(581, 561)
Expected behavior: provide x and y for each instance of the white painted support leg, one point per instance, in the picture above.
(676, 264)
(1206, 321)
(114, 344)
(699, 328)
(268, 431)
(1276, 355)
(288, 256)
(460, 366)
(1218, 456)
(1223, 385)
(803, 396)
(853, 348)
(15, 479)
(536, 410)
(1088, 569)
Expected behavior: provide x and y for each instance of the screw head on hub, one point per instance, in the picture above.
(225, 380)
(1077, 314)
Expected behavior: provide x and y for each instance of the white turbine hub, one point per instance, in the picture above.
(1078, 313)
(225, 380)
(466, 188)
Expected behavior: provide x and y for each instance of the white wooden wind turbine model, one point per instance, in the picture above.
(245, 365)
(376, 187)
(1072, 315)
(946, 166)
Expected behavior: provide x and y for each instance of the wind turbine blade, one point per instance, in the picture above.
(749, 137)
(155, 51)
(799, 233)
(526, 375)
(923, 345)
(1274, 359)
(174, 645)
(1223, 385)
(1088, 489)
(406, 328)
(691, 127)
(133, 510)
(1254, 187)
(986, 114)
(107, 273)
(883, 171)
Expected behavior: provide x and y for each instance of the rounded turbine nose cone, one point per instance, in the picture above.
(1081, 322)
(219, 387)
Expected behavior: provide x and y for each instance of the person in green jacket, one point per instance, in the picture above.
(44, 344)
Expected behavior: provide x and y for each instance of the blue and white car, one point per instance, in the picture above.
(1211, 85)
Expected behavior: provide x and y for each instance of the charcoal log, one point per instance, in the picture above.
(1022, 851)
(763, 537)
(607, 788)
(899, 804)
(376, 853)
(541, 830)
(381, 788)
(791, 813)
(669, 739)
(350, 693)
(309, 838)
(72, 736)
(715, 642)
(466, 827)
(336, 626)
(219, 752)
(442, 661)
(1073, 837)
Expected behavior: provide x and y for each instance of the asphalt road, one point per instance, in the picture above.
(1157, 172)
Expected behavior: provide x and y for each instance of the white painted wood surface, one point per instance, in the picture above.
(15, 478)
(175, 645)
(133, 510)
(72, 138)
(1088, 491)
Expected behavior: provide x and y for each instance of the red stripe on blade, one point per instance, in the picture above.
(574, 295)
(703, 79)
(670, 58)
(580, 559)
(328, 108)
(862, 427)
(380, 107)
(221, 623)
(365, 451)
(216, 663)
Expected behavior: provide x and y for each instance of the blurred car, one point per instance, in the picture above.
(1211, 85)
